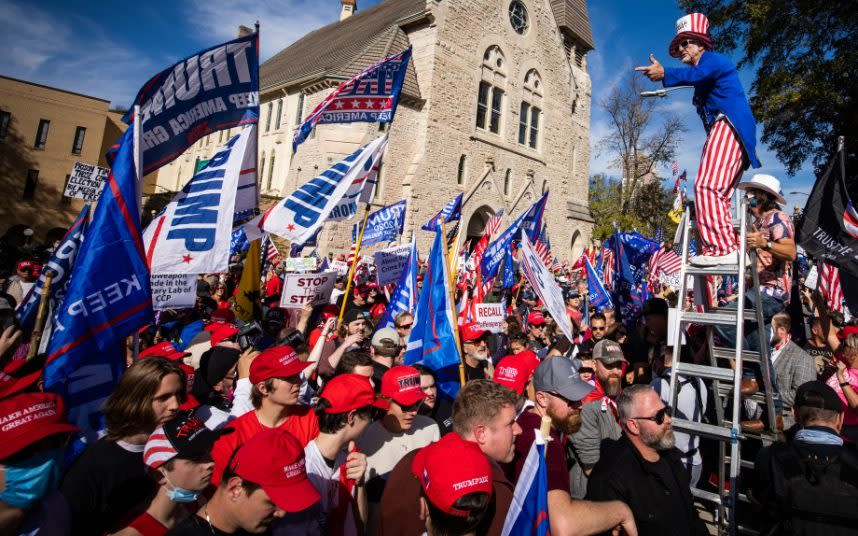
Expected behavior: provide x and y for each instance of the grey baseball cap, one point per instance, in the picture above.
(608, 351)
(557, 375)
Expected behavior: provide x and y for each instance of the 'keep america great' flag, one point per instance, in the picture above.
(212, 90)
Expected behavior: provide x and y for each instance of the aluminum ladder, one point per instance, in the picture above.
(725, 381)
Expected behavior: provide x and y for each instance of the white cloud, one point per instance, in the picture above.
(281, 23)
(68, 52)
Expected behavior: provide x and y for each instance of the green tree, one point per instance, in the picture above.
(646, 211)
(805, 90)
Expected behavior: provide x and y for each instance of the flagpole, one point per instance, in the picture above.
(455, 325)
(138, 172)
(352, 267)
(41, 313)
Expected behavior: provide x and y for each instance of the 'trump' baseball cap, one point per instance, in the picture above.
(274, 459)
(402, 385)
(444, 482)
(183, 436)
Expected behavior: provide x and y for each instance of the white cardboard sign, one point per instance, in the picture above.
(490, 317)
(314, 289)
(173, 291)
(86, 181)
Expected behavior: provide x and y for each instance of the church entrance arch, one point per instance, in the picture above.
(477, 223)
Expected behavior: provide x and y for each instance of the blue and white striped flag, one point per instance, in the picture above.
(404, 298)
(528, 513)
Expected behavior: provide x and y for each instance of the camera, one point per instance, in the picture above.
(249, 336)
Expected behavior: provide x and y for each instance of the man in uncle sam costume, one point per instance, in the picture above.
(731, 143)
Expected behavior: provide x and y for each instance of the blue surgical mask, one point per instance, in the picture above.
(180, 495)
(29, 481)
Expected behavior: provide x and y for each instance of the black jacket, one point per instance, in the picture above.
(622, 474)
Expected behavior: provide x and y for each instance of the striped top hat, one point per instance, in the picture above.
(693, 26)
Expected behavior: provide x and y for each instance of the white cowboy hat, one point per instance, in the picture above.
(767, 183)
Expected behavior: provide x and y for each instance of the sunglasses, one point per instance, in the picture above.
(594, 328)
(571, 403)
(685, 42)
(411, 407)
(659, 417)
(404, 326)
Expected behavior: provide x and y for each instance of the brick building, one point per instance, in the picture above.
(495, 105)
(43, 132)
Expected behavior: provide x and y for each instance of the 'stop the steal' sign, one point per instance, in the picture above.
(86, 182)
(314, 289)
(215, 89)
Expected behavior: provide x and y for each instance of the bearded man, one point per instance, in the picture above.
(643, 468)
(599, 416)
(559, 392)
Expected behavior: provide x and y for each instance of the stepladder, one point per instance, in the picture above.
(729, 354)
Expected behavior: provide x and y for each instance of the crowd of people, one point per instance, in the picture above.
(308, 421)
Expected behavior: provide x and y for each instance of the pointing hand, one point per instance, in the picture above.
(654, 71)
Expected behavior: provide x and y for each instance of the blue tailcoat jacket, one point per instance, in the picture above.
(717, 90)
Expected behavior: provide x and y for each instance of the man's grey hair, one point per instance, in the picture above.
(626, 402)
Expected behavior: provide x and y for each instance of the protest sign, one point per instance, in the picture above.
(86, 181)
(341, 267)
(300, 264)
(314, 289)
(490, 317)
(173, 291)
(389, 264)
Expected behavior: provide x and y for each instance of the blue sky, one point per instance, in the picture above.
(108, 49)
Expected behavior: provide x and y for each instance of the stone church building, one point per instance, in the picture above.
(495, 105)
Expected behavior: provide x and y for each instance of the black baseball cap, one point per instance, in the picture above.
(816, 394)
(184, 436)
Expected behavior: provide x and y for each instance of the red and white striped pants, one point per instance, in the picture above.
(721, 166)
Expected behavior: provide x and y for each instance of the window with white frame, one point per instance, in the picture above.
(530, 110)
(491, 90)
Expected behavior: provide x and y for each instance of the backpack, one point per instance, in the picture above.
(815, 494)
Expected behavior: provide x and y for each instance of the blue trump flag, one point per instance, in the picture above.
(238, 241)
(597, 296)
(404, 298)
(631, 254)
(452, 211)
(108, 295)
(370, 96)
(497, 249)
(383, 225)
(432, 341)
(532, 223)
(215, 89)
(528, 512)
(60, 263)
(508, 270)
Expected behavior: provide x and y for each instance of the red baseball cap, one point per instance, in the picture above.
(222, 315)
(28, 417)
(329, 311)
(24, 265)
(512, 372)
(20, 374)
(530, 358)
(274, 459)
(846, 331)
(221, 331)
(443, 482)
(164, 349)
(471, 332)
(350, 391)
(276, 362)
(536, 318)
(402, 385)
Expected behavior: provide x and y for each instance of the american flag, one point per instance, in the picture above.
(543, 252)
(271, 253)
(664, 261)
(829, 284)
(351, 256)
(675, 168)
(362, 98)
(492, 227)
